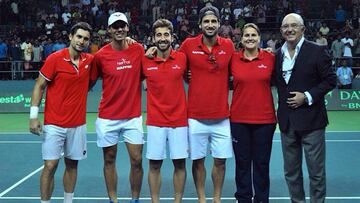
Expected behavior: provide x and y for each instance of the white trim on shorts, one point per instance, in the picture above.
(67, 142)
(215, 131)
(177, 139)
(109, 131)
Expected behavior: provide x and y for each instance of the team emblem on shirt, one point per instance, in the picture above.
(123, 64)
(222, 52)
(198, 52)
(176, 67)
(152, 68)
(262, 66)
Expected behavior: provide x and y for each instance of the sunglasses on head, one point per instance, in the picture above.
(212, 60)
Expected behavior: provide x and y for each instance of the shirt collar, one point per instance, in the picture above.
(201, 44)
(66, 55)
(171, 56)
(284, 48)
(260, 56)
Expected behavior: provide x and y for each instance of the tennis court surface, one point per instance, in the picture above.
(21, 164)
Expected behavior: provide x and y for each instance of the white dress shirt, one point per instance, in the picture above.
(288, 64)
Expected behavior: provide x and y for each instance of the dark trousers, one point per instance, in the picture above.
(313, 143)
(252, 145)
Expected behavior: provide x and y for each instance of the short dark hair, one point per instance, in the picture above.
(80, 25)
(252, 25)
(207, 10)
(162, 23)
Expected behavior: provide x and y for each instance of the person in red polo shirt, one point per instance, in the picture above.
(119, 65)
(252, 117)
(166, 110)
(208, 58)
(65, 75)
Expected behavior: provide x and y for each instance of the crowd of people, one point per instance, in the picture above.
(31, 33)
(301, 70)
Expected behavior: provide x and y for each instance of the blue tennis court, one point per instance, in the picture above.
(21, 164)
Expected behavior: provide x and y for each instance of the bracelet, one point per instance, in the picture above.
(34, 112)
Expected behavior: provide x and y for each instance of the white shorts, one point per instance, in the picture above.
(217, 132)
(176, 137)
(109, 131)
(67, 142)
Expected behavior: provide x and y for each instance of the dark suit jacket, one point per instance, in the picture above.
(312, 72)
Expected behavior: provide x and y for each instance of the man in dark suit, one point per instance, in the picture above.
(303, 76)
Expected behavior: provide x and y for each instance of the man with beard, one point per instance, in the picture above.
(119, 65)
(66, 75)
(166, 110)
(208, 58)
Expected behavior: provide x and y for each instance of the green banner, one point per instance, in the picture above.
(347, 100)
(15, 97)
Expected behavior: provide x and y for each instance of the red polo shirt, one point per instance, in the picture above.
(67, 89)
(121, 85)
(208, 87)
(252, 100)
(166, 99)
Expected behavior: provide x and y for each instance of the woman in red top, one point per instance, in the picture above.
(252, 117)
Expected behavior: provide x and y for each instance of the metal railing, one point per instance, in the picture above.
(19, 69)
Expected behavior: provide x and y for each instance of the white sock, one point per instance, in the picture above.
(45, 201)
(68, 197)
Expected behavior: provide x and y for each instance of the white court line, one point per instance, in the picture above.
(90, 132)
(169, 198)
(20, 181)
(326, 140)
(92, 142)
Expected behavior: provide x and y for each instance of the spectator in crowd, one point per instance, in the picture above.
(357, 49)
(66, 16)
(344, 76)
(272, 42)
(348, 26)
(15, 58)
(340, 16)
(240, 22)
(3, 58)
(27, 48)
(260, 13)
(349, 44)
(37, 56)
(58, 45)
(49, 26)
(337, 47)
(156, 12)
(15, 11)
(48, 47)
(248, 13)
(238, 11)
(320, 39)
(102, 31)
(226, 30)
(225, 11)
(324, 29)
